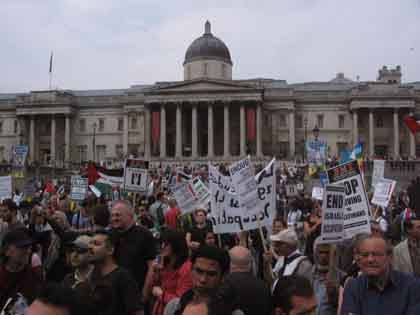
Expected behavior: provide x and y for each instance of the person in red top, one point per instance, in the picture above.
(171, 217)
(172, 274)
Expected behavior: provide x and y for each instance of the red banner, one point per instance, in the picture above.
(155, 127)
(250, 124)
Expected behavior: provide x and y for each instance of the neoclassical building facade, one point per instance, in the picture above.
(210, 116)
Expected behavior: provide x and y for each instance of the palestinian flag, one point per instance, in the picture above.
(413, 123)
(104, 179)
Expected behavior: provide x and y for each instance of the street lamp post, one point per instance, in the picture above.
(93, 142)
(305, 137)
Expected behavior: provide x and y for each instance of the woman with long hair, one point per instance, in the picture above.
(172, 271)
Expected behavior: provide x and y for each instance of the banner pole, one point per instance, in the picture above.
(261, 234)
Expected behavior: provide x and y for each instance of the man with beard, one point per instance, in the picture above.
(115, 292)
(18, 280)
(209, 266)
(380, 289)
(8, 217)
(135, 249)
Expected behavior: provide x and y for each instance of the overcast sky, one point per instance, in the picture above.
(100, 44)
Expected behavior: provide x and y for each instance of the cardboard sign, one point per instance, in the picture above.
(317, 193)
(332, 229)
(291, 190)
(383, 192)
(226, 214)
(242, 176)
(79, 187)
(356, 203)
(135, 175)
(378, 172)
(5, 187)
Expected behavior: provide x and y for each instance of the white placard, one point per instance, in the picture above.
(356, 203)
(291, 190)
(5, 187)
(185, 197)
(79, 186)
(202, 193)
(378, 171)
(332, 229)
(317, 193)
(135, 175)
(383, 192)
(226, 214)
(242, 176)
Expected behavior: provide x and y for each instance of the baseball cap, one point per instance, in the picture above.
(286, 236)
(19, 237)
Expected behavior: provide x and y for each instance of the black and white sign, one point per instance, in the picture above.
(135, 175)
(356, 203)
(226, 214)
(332, 230)
(242, 176)
(383, 192)
(79, 187)
(291, 190)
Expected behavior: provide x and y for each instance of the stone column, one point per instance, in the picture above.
(162, 131)
(396, 135)
(125, 135)
(226, 143)
(371, 135)
(355, 128)
(194, 133)
(67, 140)
(147, 133)
(292, 140)
(259, 130)
(178, 148)
(210, 142)
(412, 141)
(242, 131)
(52, 149)
(32, 138)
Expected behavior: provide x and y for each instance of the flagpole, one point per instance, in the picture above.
(50, 72)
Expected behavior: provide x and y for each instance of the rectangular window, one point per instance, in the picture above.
(134, 123)
(120, 124)
(298, 121)
(2, 155)
(82, 151)
(119, 153)
(15, 127)
(341, 119)
(1, 127)
(100, 153)
(282, 121)
(379, 121)
(320, 121)
(82, 125)
(101, 124)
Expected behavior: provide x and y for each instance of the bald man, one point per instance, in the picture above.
(250, 294)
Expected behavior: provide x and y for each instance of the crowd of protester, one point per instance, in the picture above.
(142, 256)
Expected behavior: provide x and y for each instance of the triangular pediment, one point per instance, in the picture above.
(202, 85)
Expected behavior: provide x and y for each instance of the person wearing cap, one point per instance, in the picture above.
(406, 256)
(18, 280)
(290, 262)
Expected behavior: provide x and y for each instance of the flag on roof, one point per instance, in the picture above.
(413, 123)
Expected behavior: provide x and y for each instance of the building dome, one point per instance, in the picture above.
(207, 47)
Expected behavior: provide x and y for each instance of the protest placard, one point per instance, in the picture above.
(79, 186)
(291, 190)
(185, 197)
(378, 171)
(242, 176)
(202, 193)
(135, 175)
(226, 214)
(332, 229)
(383, 192)
(317, 193)
(356, 203)
(5, 187)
